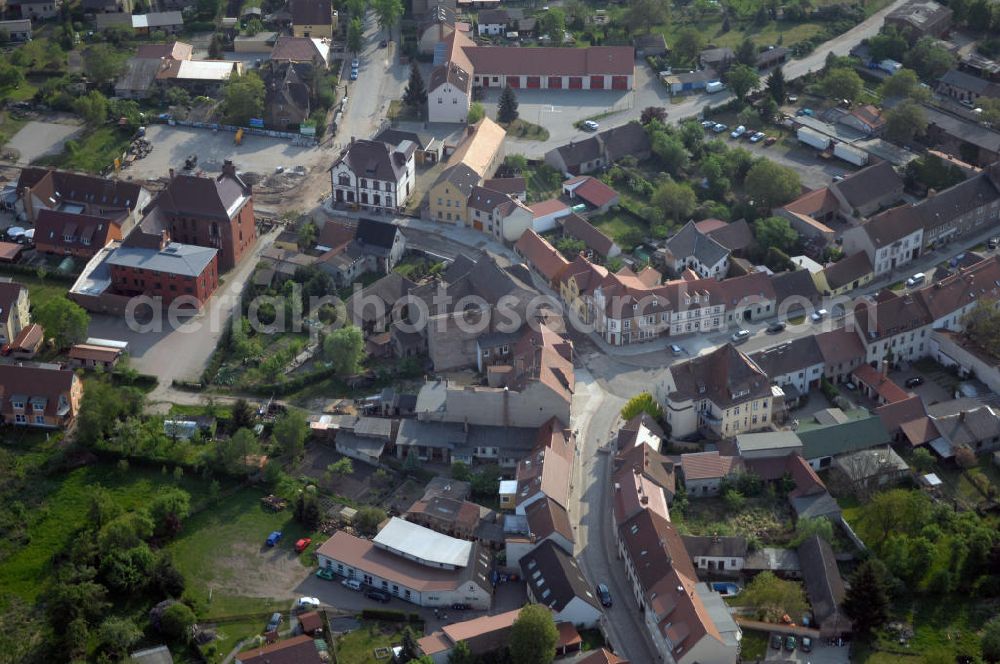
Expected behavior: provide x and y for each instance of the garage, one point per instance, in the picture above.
(534, 82)
(596, 82)
(555, 82)
(619, 82)
(514, 81)
(575, 83)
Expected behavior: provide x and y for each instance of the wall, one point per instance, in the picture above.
(448, 104)
(316, 31)
(945, 350)
(18, 318)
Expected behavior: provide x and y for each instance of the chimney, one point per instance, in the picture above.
(171, 174)
(644, 500)
(228, 168)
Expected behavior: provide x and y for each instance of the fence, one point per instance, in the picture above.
(296, 139)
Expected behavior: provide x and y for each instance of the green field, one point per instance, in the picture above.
(93, 153)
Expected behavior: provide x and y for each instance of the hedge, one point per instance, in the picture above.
(390, 615)
(29, 270)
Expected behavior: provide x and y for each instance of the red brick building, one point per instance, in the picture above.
(169, 272)
(66, 233)
(203, 211)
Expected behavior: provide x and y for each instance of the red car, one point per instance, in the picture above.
(302, 544)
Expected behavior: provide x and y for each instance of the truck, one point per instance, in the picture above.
(813, 138)
(851, 155)
(714, 86)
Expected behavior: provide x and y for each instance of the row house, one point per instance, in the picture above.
(75, 234)
(891, 239)
(893, 326)
(42, 189)
(797, 365)
(374, 175)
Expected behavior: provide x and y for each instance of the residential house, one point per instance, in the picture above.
(516, 187)
(18, 29)
(907, 416)
(602, 656)
(170, 22)
(866, 471)
(301, 649)
(546, 472)
(434, 28)
(457, 518)
(867, 119)
(598, 196)
(413, 563)
(810, 213)
(199, 77)
(597, 243)
(949, 299)
(14, 310)
(540, 256)
(475, 159)
(891, 239)
(286, 100)
(772, 56)
(364, 438)
(374, 175)
(643, 479)
(795, 293)
(723, 392)
(39, 396)
(75, 233)
(821, 444)
(641, 430)
(139, 77)
(976, 428)
(824, 587)
(920, 18)
(599, 150)
(842, 353)
(204, 211)
(893, 325)
(90, 356)
(749, 297)
(963, 209)
(75, 193)
(548, 521)
(867, 191)
(301, 50)
(362, 248)
(715, 554)
(494, 22)
(555, 579)
(313, 18)
(767, 445)
(501, 215)
(877, 385)
(737, 237)
(39, 9)
(689, 248)
(704, 472)
(847, 274)
(797, 366)
(966, 87)
(483, 636)
(682, 616)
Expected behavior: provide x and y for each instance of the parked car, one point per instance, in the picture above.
(273, 538)
(707, 124)
(590, 125)
(819, 315)
(776, 641)
(775, 327)
(353, 584)
(913, 382)
(383, 43)
(719, 128)
(354, 74)
(758, 137)
(274, 622)
(770, 140)
(992, 243)
(916, 280)
(307, 603)
(838, 178)
(793, 98)
(741, 336)
(325, 573)
(302, 544)
(355, 63)
(790, 643)
(739, 131)
(676, 350)
(604, 594)
(378, 595)
(851, 386)
(807, 644)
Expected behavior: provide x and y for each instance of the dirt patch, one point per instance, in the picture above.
(256, 571)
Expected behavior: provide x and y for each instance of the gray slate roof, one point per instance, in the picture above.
(184, 259)
(689, 241)
(555, 578)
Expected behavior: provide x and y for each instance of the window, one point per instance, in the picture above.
(39, 419)
(19, 418)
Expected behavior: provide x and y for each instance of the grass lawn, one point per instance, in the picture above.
(770, 520)
(93, 153)
(544, 182)
(358, 647)
(753, 646)
(619, 225)
(65, 500)
(766, 35)
(521, 128)
(9, 125)
(39, 290)
(940, 624)
(400, 111)
(592, 639)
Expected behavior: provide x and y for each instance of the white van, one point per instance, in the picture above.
(353, 584)
(916, 280)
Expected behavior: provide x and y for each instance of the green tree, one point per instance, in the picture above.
(775, 232)
(675, 200)
(387, 13)
(415, 94)
(355, 35)
(290, 431)
(776, 85)
(507, 106)
(234, 453)
(165, 577)
(889, 45)
(102, 406)
(867, 599)
(461, 654)
(688, 44)
(643, 15)
(742, 80)
(904, 83)
(340, 468)
(345, 348)
(103, 64)
(843, 83)
(368, 519)
(807, 527)
(746, 53)
(168, 510)
(904, 122)
(642, 403)
(460, 471)
(128, 571)
(929, 59)
(990, 111)
(553, 24)
(651, 113)
(923, 460)
(670, 150)
(486, 481)
(982, 326)
(533, 636)
(772, 598)
(65, 322)
(476, 112)
(771, 184)
(243, 98)
(10, 76)
(735, 500)
(176, 622)
(991, 640)
(242, 416)
(118, 635)
(933, 172)
(408, 642)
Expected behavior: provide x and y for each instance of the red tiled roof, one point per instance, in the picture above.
(593, 191)
(537, 251)
(29, 338)
(896, 413)
(882, 385)
(706, 226)
(602, 656)
(707, 465)
(9, 251)
(919, 431)
(296, 650)
(547, 207)
(552, 61)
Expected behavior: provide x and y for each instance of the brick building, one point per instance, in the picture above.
(170, 272)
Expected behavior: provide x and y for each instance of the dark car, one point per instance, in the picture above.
(807, 644)
(913, 382)
(274, 622)
(604, 594)
(776, 641)
(775, 327)
(460, 606)
(378, 596)
(993, 243)
(790, 643)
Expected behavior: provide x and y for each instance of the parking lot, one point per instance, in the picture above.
(258, 154)
(821, 654)
(37, 139)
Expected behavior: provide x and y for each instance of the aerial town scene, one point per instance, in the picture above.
(499, 332)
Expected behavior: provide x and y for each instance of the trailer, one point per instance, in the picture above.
(851, 155)
(813, 138)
